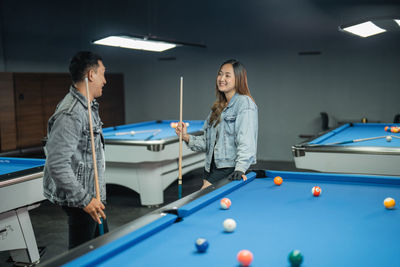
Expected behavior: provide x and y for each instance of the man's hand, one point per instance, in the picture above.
(95, 209)
(237, 175)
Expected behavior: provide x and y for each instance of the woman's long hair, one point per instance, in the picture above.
(241, 87)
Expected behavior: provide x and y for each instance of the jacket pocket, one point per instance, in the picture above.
(97, 139)
(230, 124)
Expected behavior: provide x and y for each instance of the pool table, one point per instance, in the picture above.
(21, 190)
(347, 225)
(147, 161)
(333, 151)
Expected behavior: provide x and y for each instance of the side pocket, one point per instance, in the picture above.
(80, 171)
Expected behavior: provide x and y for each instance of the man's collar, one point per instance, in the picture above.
(82, 98)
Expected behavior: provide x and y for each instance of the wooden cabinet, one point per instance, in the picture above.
(8, 127)
(27, 100)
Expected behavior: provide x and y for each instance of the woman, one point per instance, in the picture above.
(230, 130)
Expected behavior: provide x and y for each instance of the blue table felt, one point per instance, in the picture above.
(346, 226)
(349, 132)
(166, 131)
(11, 165)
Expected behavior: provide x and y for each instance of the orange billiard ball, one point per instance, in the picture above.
(389, 203)
(278, 180)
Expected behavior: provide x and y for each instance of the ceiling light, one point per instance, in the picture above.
(365, 29)
(136, 43)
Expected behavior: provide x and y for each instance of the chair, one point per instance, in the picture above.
(396, 118)
(324, 121)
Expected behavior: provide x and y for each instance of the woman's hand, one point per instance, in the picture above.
(182, 128)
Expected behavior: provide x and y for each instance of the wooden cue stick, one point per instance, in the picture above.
(96, 175)
(357, 140)
(180, 141)
(137, 132)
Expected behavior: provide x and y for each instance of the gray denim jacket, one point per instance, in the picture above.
(68, 174)
(235, 145)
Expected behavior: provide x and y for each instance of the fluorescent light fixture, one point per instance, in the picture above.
(365, 29)
(397, 21)
(136, 43)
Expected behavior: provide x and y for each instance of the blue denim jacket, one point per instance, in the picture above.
(235, 145)
(68, 174)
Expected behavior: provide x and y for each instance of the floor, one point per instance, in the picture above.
(123, 205)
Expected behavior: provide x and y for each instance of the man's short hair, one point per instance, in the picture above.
(81, 63)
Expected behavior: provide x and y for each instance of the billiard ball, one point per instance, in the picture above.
(388, 138)
(316, 191)
(278, 180)
(225, 203)
(389, 203)
(394, 129)
(387, 128)
(295, 258)
(245, 257)
(201, 245)
(175, 124)
(229, 225)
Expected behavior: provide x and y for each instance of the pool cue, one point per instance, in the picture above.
(96, 176)
(136, 132)
(180, 141)
(353, 141)
(153, 134)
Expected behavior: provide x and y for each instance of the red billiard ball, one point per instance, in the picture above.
(316, 191)
(225, 203)
(245, 257)
(278, 180)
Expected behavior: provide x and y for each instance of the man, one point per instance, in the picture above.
(69, 175)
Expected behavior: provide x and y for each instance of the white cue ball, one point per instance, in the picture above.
(229, 225)
(388, 138)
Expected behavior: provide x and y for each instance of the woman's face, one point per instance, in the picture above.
(226, 79)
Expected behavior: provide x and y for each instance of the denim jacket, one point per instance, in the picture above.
(234, 140)
(68, 174)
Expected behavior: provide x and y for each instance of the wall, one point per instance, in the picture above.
(348, 81)
(351, 78)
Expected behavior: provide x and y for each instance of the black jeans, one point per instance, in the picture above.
(216, 174)
(81, 226)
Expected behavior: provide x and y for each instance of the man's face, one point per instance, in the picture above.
(98, 80)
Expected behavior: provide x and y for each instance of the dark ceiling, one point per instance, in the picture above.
(55, 25)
